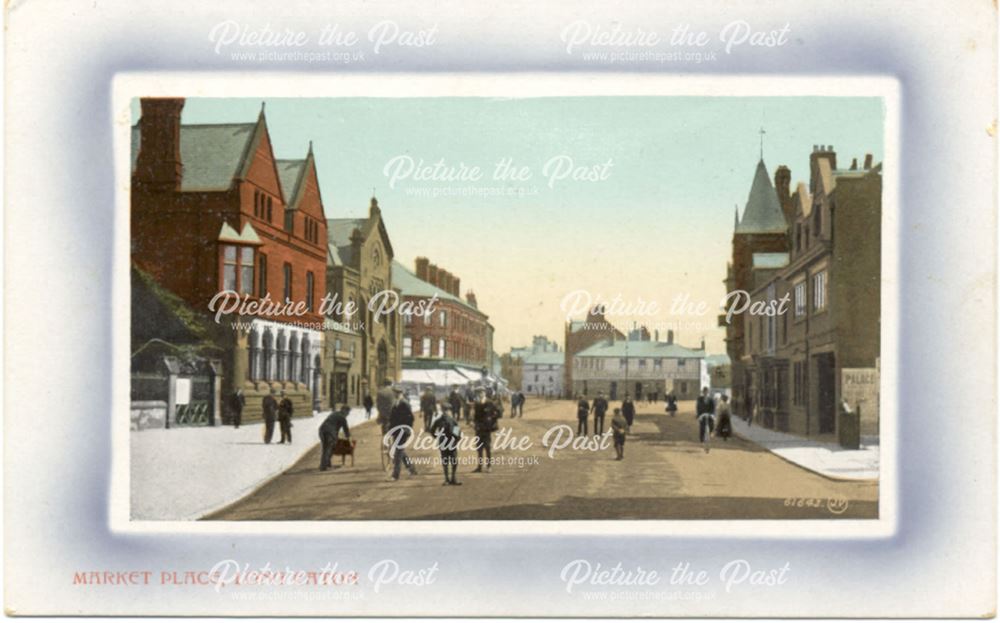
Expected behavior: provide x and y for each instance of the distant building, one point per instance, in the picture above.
(581, 334)
(537, 369)
(641, 368)
(716, 374)
(457, 331)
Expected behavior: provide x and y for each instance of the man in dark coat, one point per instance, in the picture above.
(328, 431)
(428, 406)
(236, 403)
(447, 433)
(285, 410)
(470, 400)
(401, 427)
(520, 403)
(628, 410)
(368, 403)
(270, 406)
(484, 420)
(455, 401)
(599, 408)
(582, 412)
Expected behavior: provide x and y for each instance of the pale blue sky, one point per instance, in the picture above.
(659, 225)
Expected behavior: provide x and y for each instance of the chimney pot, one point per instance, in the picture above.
(422, 264)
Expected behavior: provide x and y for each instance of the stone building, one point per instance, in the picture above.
(794, 365)
(456, 330)
(364, 347)
(641, 368)
(213, 211)
(763, 229)
(537, 369)
(581, 334)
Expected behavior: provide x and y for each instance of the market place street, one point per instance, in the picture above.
(665, 475)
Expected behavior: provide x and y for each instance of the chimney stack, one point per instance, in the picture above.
(656, 333)
(854, 164)
(670, 336)
(158, 164)
(470, 296)
(703, 344)
(868, 161)
(455, 287)
(422, 264)
(432, 274)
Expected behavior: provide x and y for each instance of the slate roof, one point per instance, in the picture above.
(212, 154)
(545, 358)
(640, 349)
(291, 173)
(762, 214)
(411, 285)
(338, 233)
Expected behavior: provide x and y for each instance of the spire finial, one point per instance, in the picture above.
(762, 142)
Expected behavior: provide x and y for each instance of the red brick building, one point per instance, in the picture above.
(213, 210)
(457, 331)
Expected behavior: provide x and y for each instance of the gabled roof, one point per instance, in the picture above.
(291, 173)
(640, 349)
(762, 214)
(411, 285)
(804, 206)
(212, 155)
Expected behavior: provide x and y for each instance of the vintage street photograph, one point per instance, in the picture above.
(521, 308)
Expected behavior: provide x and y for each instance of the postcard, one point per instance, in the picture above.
(633, 336)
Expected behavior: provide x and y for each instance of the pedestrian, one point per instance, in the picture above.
(447, 433)
(270, 406)
(400, 430)
(619, 426)
(368, 403)
(600, 407)
(485, 422)
(725, 424)
(285, 410)
(582, 412)
(236, 403)
(428, 406)
(671, 404)
(385, 399)
(705, 412)
(470, 400)
(520, 403)
(628, 411)
(455, 402)
(328, 432)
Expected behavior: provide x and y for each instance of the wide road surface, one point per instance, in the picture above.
(665, 475)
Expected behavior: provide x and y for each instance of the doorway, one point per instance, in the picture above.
(826, 392)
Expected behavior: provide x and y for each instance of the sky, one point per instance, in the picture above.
(627, 197)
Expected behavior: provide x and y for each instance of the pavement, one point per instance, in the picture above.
(185, 472)
(666, 474)
(822, 457)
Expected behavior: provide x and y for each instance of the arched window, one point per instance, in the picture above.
(268, 355)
